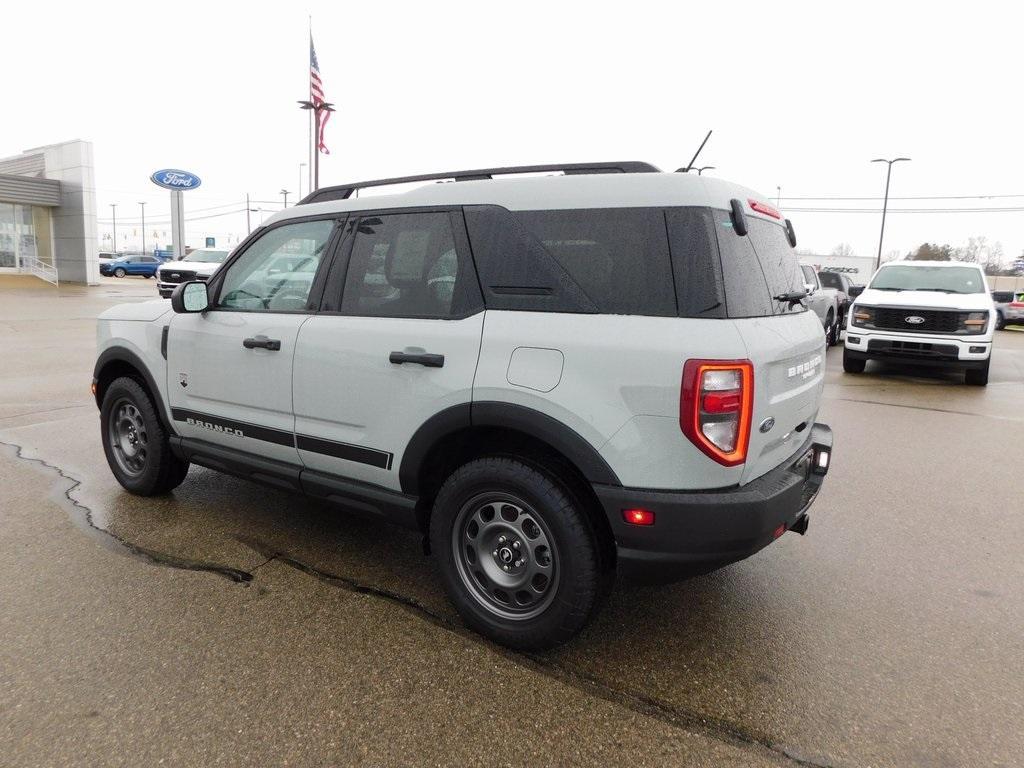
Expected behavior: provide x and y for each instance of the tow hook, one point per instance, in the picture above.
(800, 526)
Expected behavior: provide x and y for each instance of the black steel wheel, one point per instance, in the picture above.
(136, 443)
(517, 552)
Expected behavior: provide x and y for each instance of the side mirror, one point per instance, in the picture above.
(810, 288)
(190, 297)
(855, 291)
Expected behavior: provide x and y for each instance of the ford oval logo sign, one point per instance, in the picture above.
(914, 319)
(171, 178)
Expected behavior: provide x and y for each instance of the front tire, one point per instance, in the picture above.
(119, 272)
(517, 553)
(852, 364)
(135, 442)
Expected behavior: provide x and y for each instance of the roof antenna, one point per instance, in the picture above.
(695, 154)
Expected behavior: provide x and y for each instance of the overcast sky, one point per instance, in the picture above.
(800, 95)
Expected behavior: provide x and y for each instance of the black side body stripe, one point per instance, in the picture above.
(356, 453)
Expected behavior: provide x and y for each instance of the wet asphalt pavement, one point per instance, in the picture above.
(231, 624)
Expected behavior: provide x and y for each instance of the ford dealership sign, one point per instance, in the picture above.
(170, 178)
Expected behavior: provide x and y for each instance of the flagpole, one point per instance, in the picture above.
(309, 180)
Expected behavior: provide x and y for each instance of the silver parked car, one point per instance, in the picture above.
(1009, 308)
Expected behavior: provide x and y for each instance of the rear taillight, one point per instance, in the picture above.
(716, 406)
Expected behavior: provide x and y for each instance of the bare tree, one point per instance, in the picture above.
(993, 260)
(974, 251)
(844, 250)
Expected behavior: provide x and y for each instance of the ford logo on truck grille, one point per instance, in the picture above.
(914, 319)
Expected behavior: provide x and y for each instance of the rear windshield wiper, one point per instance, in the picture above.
(887, 289)
(939, 290)
(793, 297)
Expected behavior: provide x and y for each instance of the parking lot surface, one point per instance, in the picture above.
(232, 624)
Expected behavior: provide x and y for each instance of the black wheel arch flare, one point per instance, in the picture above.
(547, 429)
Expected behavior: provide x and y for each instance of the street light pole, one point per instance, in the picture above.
(885, 202)
(778, 197)
(113, 209)
(143, 206)
(284, 193)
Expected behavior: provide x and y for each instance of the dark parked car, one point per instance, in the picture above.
(842, 283)
(131, 265)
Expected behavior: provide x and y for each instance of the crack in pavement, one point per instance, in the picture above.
(720, 730)
(715, 728)
(119, 544)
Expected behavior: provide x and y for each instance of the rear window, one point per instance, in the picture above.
(746, 293)
(831, 280)
(778, 262)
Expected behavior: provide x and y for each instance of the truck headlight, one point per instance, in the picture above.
(863, 316)
(973, 322)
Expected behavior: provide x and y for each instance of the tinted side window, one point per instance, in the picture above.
(516, 271)
(405, 265)
(618, 256)
(778, 262)
(746, 293)
(695, 263)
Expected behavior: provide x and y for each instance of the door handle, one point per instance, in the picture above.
(423, 358)
(262, 342)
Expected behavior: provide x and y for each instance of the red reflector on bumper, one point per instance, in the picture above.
(638, 516)
(779, 531)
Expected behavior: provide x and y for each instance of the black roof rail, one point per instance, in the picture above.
(344, 191)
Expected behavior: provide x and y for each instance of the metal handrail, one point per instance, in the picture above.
(40, 269)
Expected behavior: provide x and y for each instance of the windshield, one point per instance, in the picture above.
(942, 279)
(211, 257)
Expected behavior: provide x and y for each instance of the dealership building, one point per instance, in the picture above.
(48, 213)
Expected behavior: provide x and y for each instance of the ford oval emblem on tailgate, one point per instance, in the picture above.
(767, 424)
(914, 319)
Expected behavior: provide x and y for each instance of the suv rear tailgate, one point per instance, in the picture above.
(788, 353)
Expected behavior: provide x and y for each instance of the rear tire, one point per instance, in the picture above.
(135, 442)
(977, 377)
(518, 555)
(1000, 321)
(852, 364)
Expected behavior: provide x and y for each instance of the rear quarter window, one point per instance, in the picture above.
(605, 260)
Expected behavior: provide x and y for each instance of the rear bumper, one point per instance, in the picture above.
(697, 531)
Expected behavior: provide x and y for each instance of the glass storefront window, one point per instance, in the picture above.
(8, 238)
(24, 235)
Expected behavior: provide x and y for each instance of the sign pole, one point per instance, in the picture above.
(177, 224)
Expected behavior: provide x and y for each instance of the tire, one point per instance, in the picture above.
(853, 364)
(119, 272)
(1000, 321)
(977, 377)
(147, 276)
(136, 443)
(518, 555)
(831, 330)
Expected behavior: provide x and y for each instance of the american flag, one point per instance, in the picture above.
(316, 95)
